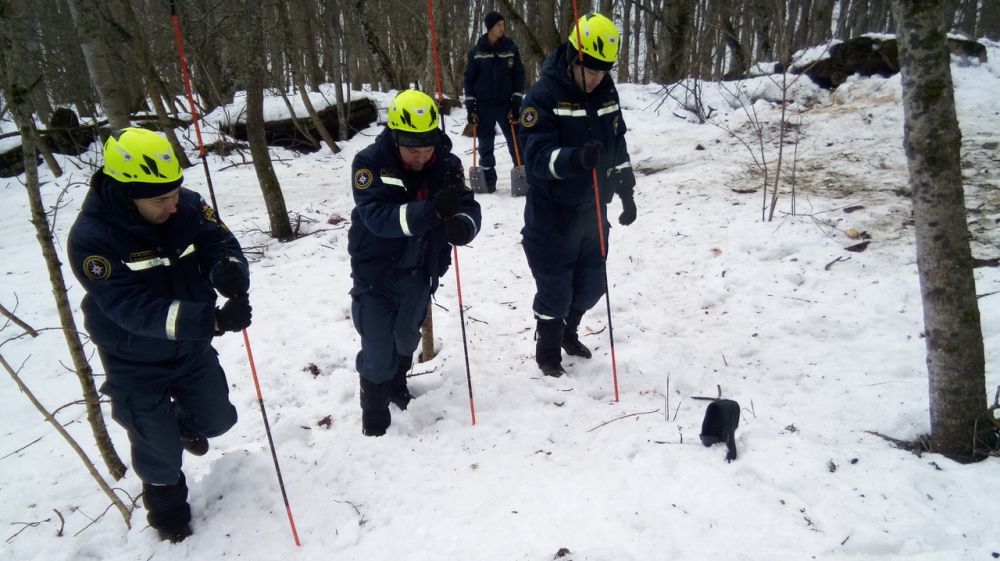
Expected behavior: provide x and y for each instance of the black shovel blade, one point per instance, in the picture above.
(477, 180)
(518, 182)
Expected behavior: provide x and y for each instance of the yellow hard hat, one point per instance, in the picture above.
(600, 41)
(414, 118)
(143, 160)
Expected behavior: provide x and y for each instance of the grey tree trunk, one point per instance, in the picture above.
(110, 90)
(274, 200)
(43, 234)
(960, 421)
(382, 62)
(153, 84)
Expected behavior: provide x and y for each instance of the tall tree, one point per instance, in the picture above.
(960, 420)
(255, 69)
(90, 30)
(14, 92)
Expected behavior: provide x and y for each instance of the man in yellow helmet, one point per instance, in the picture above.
(151, 256)
(412, 206)
(572, 126)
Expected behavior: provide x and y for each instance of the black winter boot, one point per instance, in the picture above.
(193, 441)
(375, 417)
(570, 340)
(399, 394)
(548, 334)
(169, 513)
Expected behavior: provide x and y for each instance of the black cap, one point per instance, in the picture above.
(417, 139)
(491, 19)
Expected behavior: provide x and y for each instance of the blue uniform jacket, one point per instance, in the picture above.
(494, 74)
(557, 118)
(148, 295)
(394, 225)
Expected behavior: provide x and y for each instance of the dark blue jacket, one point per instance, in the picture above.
(394, 225)
(494, 74)
(557, 118)
(148, 294)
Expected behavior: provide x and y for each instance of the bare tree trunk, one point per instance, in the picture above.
(110, 90)
(960, 420)
(382, 62)
(274, 200)
(43, 233)
(300, 83)
(427, 337)
(153, 85)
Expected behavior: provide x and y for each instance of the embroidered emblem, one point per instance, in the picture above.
(529, 117)
(210, 215)
(510, 63)
(363, 179)
(97, 267)
(614, 125)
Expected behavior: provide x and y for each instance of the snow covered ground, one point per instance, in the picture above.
(819, 346)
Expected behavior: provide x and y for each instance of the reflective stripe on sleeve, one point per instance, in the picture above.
(552, 163)
(190, 249)
(172, 313)
(402, 220)
(625, 165)
(570, 112)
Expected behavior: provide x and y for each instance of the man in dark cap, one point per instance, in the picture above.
(494, 88)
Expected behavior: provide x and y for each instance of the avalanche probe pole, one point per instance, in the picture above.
(600, 215)
(246, 338)
(458, 275)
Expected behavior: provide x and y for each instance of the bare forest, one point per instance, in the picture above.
(55, 49)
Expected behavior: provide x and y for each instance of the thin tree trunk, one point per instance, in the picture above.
(382, 62)
(154, 86)
(43, 233)
(108, 491)
(110, 90)
(274, 200)
(300, 83)
(960, 420)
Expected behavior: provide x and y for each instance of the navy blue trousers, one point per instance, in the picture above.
(388, 319)
(152, 400)
(485, 134)
(563, 250)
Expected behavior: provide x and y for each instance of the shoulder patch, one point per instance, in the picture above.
(363, 179)
(529, 117)
(97, 267)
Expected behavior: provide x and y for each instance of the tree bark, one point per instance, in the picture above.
(959, 417)
(382, 62)
(154, 87)
(110, 90)
(43, 234)
(274, 200)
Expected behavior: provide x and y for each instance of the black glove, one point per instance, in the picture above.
(628, 210)
(230, 277)
(234, 315)
(446, 202)
(471, 111)
(588, 155)
(514, 114)
(459, 230)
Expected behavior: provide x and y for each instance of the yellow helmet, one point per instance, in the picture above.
(600, 39)
(414, 119)
(143, 160)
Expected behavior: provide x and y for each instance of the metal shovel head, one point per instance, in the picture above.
(518, 182)
(477, 180)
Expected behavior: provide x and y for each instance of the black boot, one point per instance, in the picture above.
(548, 334)
(169, 513)
(570, 340)
(193, 441)
(375, 417)
(399, 394)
